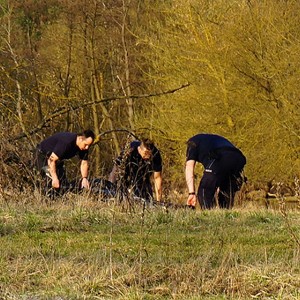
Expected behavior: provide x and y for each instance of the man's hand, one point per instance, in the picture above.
(191, 201)
(85, 183)
(55, 183)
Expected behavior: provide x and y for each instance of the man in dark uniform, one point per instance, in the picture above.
(223, 165)
(51, 153)
(135, 167)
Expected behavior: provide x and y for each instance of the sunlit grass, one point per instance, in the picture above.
(76, 248)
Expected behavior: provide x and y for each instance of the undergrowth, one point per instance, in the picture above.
(78, 248)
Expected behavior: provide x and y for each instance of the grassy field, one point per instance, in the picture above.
(78, 248)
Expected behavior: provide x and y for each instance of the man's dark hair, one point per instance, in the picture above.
(87, 133)
(147, 143)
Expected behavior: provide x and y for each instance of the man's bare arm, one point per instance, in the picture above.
(52, 169)
(84, 169)
(113, 174)
(158, 185)
(190, 181)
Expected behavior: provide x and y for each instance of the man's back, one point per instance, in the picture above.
(63, 144)
(200, 145)
(138, 171)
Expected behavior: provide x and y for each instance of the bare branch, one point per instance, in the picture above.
(98, 138)
(63, 110)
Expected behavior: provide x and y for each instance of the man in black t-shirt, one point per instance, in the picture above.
(51, 153)
(135, 167)
(223, 165)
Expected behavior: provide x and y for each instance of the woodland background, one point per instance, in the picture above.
(115, 64)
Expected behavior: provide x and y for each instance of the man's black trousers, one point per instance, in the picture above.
(221, 179)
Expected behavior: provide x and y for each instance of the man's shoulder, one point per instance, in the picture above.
(156, 150)
(66, 137)
(65, 134)
(207, 137)
(201, 136)
(135, 144)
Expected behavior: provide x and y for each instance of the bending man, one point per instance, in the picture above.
(135, 167)
(223, 165)
(51, 153)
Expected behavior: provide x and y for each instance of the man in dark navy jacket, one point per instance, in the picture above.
(51, 153)
(222, 177)
(135, 168)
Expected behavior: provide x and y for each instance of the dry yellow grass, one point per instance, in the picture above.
(78, 248)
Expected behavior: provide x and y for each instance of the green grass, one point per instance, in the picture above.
(81, 249)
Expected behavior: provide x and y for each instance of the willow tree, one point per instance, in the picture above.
(241, 60)
(263, 53)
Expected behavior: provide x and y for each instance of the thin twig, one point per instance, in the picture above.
(65, 109)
